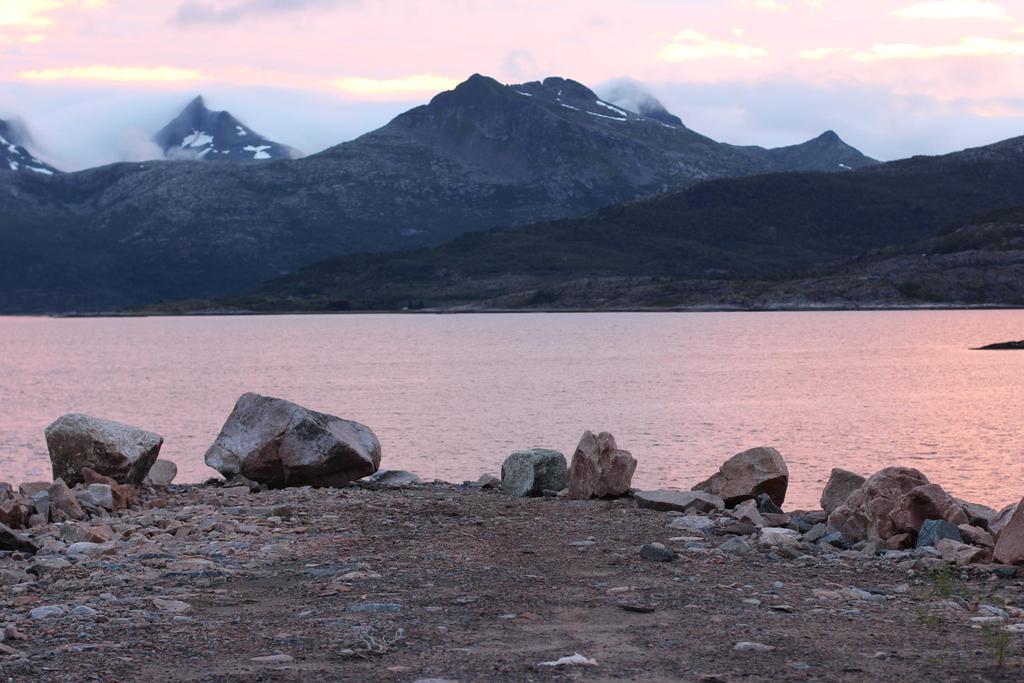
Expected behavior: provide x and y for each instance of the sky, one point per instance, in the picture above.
(94, 79)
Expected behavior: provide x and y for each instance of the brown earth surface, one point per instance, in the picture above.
(464, 584)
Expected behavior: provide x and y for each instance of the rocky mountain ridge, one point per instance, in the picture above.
(199, 133)
(482, 156)
(15, 156)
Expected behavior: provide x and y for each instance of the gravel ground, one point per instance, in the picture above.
(442, 582)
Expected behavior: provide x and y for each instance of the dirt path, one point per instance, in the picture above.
(443, 582)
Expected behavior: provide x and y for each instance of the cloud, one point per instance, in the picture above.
(690, 45)
(767, 5)
(127, 74)
(207, 12)
(954, 9)
(822, 52)
(418, 84)
(34, 12)
(972, 46)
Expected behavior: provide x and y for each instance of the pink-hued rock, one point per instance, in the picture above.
(1010, 546)
(63, 504)
(123, 495)
(747, 475)
(961, 553)
(1001, 519)
(599, 468)
(868, 512)
(976, 536)
(928, 501)
(839, 487)
(16, 510)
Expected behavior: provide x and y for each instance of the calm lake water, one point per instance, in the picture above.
(451, 396)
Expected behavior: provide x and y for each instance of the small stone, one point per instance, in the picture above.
(48, 612)
(384, 607)
(272, 660)
(747, 646)
(83, 611)
(161, 474)
(172, 606)
(777, 536)
(695, 524)
(735, 546)
(656, 552)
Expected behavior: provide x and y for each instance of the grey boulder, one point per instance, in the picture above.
(530, 473)
(278, 443)
(119, 451)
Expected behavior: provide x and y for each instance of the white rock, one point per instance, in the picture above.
(574, 660)
(48, 612)
(779, 536)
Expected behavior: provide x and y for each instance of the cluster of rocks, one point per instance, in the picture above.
(265, 443)
(895, 510)
(98, 465)
(272, 443)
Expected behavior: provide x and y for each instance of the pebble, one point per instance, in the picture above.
(375, 607)
(656, 552)
(735, 546)
(84, 611)
(48, 612)
(747, 646)
(271, 660)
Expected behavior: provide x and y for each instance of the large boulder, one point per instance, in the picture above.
(530, 473)
(1010, 545)
(599, 469)
(839, 487)
(119, 451)
(747, 475)
(278, 443)
(868, 512)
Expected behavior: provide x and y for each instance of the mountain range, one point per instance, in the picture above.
(481, 156)
(775, 240)
(557, 184)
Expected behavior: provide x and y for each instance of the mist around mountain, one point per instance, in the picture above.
(199, 133)
(15, 156)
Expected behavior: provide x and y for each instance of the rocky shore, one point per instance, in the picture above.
(557, 570)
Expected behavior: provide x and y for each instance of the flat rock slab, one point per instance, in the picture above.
(680, 501)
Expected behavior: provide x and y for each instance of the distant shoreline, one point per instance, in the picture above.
(521, 311)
